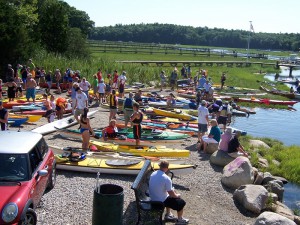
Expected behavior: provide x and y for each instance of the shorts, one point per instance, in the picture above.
(113, 110)
(86, 93)
(222, 120)
(24, 80)
(30, 93)
(19, 89)
(127, 114)
(48, 113)
(114, 85)
(202, 127)
(78, 112)
(121, 90)
(49, 83)
(137, 131)
(95, 90)
(206, 139)
(101, 95)
(57, 85)
(174, 203)
(70, 79)
(57, 108)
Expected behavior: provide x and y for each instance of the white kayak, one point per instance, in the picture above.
(59, 124)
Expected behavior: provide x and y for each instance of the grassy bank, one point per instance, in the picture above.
(287, 156)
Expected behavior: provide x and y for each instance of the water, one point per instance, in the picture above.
(278, 124)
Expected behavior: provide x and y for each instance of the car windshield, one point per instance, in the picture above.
(13, 167)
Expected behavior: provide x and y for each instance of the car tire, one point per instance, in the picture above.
(30, 218)
(52, 178)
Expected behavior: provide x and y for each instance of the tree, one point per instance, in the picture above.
(53, 24)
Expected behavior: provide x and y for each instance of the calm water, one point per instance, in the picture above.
(279, 124)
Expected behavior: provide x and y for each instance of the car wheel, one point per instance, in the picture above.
(30, 218)
(52, 178)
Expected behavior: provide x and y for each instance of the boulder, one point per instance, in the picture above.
(268, 179)
(273, 197)
(259, 178)
(258, 143)
(276, 187)
(275, 162)
(220, 158)
(263, 162)
(211, 148)
(282, 210)
(297, 220)
(238, 172)
(251, 197)
(284, 181)
(270, 218)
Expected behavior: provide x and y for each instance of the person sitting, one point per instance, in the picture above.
(225, 138)
(213, 137)
(111, 131)
(138, 97)
(161, 189)
(171, 101)
(235, 149)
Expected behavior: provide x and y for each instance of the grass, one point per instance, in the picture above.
(287, 156)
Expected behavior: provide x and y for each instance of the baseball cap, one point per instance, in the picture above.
(203, 102)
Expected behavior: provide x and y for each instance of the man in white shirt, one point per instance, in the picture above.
(85, 86)
(81, 102)
(202, 120)
(160, 189)
(121, 84)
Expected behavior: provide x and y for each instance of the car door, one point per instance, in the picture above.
(39, 182)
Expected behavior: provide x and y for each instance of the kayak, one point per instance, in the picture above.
(174, 114)
(159, 151)
(74, 133)
(16, 122)
(117, 166)
(26, 108)
(59, 124)
(153, 134)
(239, 113)
(278, 92)
(31, 118)
(266, 101)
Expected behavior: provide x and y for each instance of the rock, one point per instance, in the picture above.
(252, 197)
(273, 197)
(211, 148)
(267, 174)
(275, 162)
(258, 143)
(259, 178)
(275, 187)
(267, 179)
(237, 173)
(220, 158)
(263, 162)
(297, 220)
(283, 210)
(255, 171)
(270, 218)
(282, 179)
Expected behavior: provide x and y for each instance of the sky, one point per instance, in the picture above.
(270, 16)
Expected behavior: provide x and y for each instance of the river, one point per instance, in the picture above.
(278, 124)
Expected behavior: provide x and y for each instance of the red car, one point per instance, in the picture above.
(27, 169)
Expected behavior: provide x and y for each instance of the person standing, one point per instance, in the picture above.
(113, 105)
(11, 89)
(81, 102)
(95, 87)
(115, 79)
(223, 79)
(99, 75)
(9, 73)
(30, 88)
(48, 79)
(162, 80)
(58, 79)
(1, 84)
(85, 129)
(3, 117)
(183, 72)
(202, 121)
(128, 108)
(161, 189)
(136, 119)
(173, 79)
(49, 109)
(224, 114)
(101, 91)
(121, 84)
(85, 86)
(31, 68)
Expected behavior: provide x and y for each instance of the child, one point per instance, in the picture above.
(101, 91)
(19, 83)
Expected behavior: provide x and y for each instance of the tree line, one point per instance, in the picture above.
(31, 26)
(188, 35)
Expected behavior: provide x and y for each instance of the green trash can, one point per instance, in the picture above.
(108, 205)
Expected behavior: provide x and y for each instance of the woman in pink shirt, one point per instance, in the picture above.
(225, 138)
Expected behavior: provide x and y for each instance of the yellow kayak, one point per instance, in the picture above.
(157, 151)
(31, 118)
(192, 112)
(174, 114)
(174, 120)
(117, 166)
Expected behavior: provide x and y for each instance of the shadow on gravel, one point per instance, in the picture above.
(65, 138)
(216, 168)
(244, 211)
(180, 187)
(130, 215)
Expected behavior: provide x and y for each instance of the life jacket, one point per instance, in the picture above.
(111, 132)
(112, 101)
(128, 103)
(224, 110)
(138, 121)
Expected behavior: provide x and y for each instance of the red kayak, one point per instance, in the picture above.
(266, 101)
(54, 86)
(41, 112)
(9, 105)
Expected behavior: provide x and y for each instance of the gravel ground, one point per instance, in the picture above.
(70, 202)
